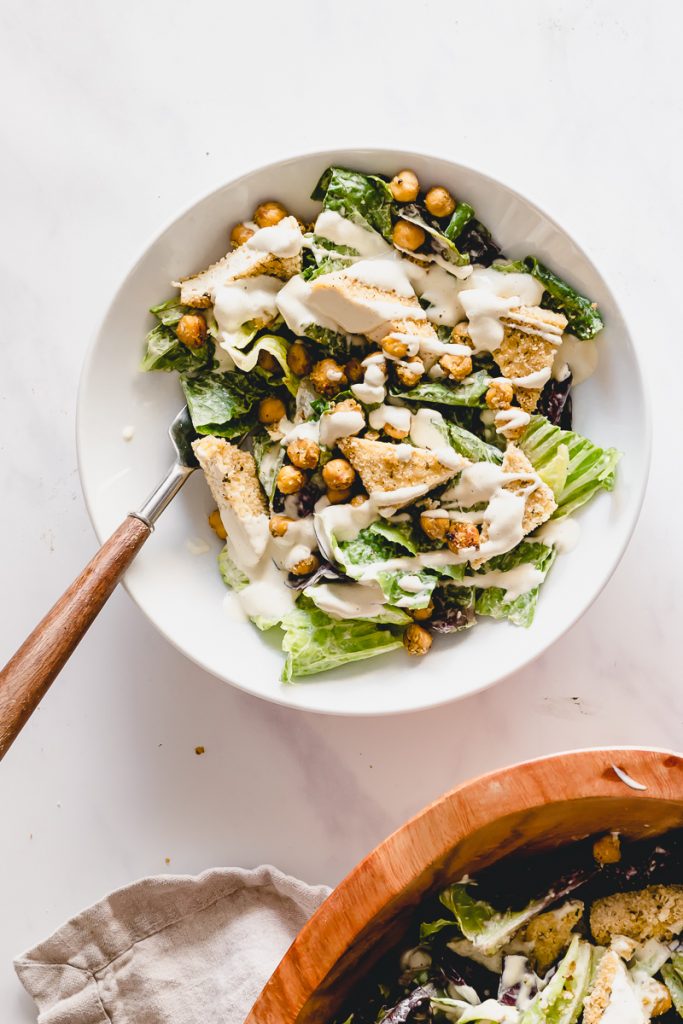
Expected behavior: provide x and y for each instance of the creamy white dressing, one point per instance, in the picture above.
(484, 309)
(509, 421)
(308, 431)
(624, 1005)
(562, 534)
(348, 600)
(283, 240)
(400, 496)
(441, 290)
(395, 416)
(411, 583)
(525, 287)
(580, 358)
(342, 231)
(335, 425)
(517, 581)
(295, 303)
(250, 298)
(128, 433)
(371, 390)
(387, 275)
(537, 380)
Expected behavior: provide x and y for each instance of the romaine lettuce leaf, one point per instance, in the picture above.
(454, 606)
(170, 312)
(490, 1011)
(561, 1001)
(493, 601)
(277, 347)
(469, 392)
(673, 979)
(269, 456)
(364, 198)
(442, 243)
(231, 575)
(223, 403)
(472, 447)
(485, 927)
(324, 257)
(584, 320)
(316, 643)
(333, 343)
(395, 594)
(165, 351)
(590, 468)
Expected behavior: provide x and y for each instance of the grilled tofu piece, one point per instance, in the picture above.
(232, 478)
(551, 933)
(655, 912)
(383, 470)
(532, 336)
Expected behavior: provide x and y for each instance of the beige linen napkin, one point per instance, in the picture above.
(175, 948)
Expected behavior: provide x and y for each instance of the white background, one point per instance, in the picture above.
(117, 115)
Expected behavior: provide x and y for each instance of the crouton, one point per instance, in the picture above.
(382, 470)
(655, 912)
(550, 933)
(531, 338)
(607, 849)
(231, 476)
(247, 261)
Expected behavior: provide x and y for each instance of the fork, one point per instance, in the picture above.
(27, 676)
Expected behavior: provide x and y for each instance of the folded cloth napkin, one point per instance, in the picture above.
(175, 948)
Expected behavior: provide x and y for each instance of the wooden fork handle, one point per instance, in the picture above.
(27, 676)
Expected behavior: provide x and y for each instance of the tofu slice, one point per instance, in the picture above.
(655, 912)
(384, 472)
(532, 336)
(612, 991)
(249, 260)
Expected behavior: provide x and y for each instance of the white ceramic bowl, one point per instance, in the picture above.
(182, 592)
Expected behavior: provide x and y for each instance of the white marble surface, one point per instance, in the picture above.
(116, 115)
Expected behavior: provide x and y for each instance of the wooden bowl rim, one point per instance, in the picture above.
(519, 787)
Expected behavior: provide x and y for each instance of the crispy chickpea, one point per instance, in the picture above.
(607, 849)
(359, 499)
(407, 236)
(338, 474)
(422, 614)
(456, 367)
(440, 202)
(267, 361)
(267, 215)
(279, 525)
(306, 566)
(348, 405)
(271, 410)
(304, 453)
(371, 435)
(354, 371)
(240, 234)
(337, 496)
(460, 535)
(398, 433)
(328, 377)
(461, 331)
(416, 640)
(405, 187)
(216, 524)
(435, 527)
(191, 329)
(290, 480)
(394, 347)
(299, 359)
(661, 998)
(499, 394)
(409, 374)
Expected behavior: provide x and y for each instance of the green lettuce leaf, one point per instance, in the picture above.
(469, 392)
(485, 927)
(277, 347)
(170, 312)
(494, 602)
(223, 404)
(316, 643)
(590, 468)
(673, 979)
(561, 1001)
(441, 242)
(269, 456)
(394, 593)
(165, 351)
(332, 343)
(472, 447)
(583, 318)
(364, 198)
(231, 575)
(490, 1011)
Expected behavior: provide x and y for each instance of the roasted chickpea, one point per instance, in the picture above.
(407, 236)
(271, 410)
(607, 849)
(410, 374)
(216, 524)
(328, 377)
(405, 187)
(306, 566)
(422, 614)
(267, 215)
(304, 453)
(440, 202)
(435, 527)
(267, 361)
(240, 234)
(299, 359)
(354, 371)
(456, 367)
(461, 331)
(499, 394)
(394, 347)
(416, 640)
(337, 496)
(191, 330)
(348, 405)
(359, 499)
(279, 525)
(338, 474)
(660, 996)
(461, 534)
(398, 433)
(290, 480)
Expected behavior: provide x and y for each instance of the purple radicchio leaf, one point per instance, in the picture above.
(418, 1002)
(555, 402)
(325, 571)
(508, 995)
(453, 608)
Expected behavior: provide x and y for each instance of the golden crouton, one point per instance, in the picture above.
(231, 476)
(199, 290)
(655, 912)
(607, 849)
(550, 933)
(524, 349)
(382, 470)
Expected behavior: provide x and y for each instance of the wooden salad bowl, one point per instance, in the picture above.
(533, 806)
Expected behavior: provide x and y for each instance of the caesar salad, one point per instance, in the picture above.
(590, 933)
(383, 404)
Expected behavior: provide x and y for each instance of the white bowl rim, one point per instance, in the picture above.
(278, 696)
